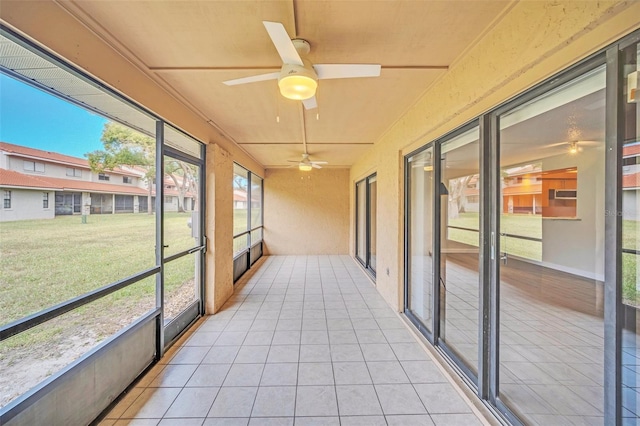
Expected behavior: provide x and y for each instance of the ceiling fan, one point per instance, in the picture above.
(306, 165)
(573, 147)
(298, 78)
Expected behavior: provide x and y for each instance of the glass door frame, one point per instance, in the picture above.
(366, 262)
(429, 335)
(494, 212)
(487, 385)
(469, 375)
(434, 337)
(167, 333)
(614, 307)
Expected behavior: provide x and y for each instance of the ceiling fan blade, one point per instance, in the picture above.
(253, 79)
(315, 166)
(282, 41)
(327, 71)
(319, 162)
(310, 103)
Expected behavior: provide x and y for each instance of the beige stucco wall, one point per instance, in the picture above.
(532, 41)
(306, 212)
(219, 223)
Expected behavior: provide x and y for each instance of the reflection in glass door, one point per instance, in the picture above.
(183, 242)
(551, 247)
(459, 247)
(419, 236)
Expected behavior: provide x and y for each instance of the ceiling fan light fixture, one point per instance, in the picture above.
(297, 87)
(305, 167)
(298, 82)
(573, 148)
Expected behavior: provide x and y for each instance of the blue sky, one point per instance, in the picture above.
(36, 119)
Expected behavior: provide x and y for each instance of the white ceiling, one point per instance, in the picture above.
(190, 47)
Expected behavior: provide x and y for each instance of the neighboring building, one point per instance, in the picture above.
(630, 181)
(239, 199)
(37, 184)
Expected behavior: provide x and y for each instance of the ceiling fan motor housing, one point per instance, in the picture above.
(293, 69)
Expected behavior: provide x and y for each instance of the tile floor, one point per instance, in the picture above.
(552, 340)
(305, 340)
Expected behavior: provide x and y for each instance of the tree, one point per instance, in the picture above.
(456, 195)
(125, 147)
(184, 177)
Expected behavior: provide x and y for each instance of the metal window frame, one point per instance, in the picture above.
(25, 323)
(28, 322)
(245, 255)
(160, 347)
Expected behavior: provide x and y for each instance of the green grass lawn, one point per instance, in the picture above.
(240, 225)
(45, 262)
(522, 225)
(630, 262)
(531, 226)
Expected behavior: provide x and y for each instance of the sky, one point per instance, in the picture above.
(33, 118)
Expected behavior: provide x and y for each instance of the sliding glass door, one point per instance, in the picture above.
(522, 244)
(419, 235)
(366, 205)
(460, 191)
(442, 242)
(551, 247)
(361, 220)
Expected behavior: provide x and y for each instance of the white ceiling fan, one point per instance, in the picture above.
(573, 147)
(298, 78)
(306, 165)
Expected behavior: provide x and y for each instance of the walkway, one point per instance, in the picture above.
(305, 340)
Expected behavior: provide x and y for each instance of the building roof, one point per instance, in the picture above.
(631, 150)
(54, 157)
(9, 178)
(631, 180)
(42, 155)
